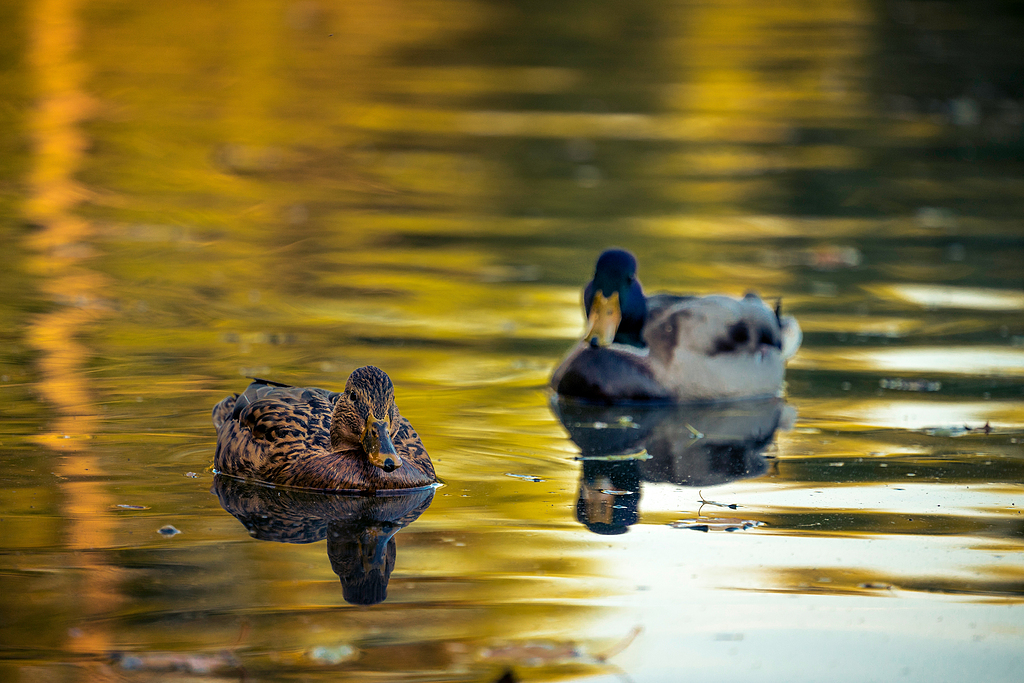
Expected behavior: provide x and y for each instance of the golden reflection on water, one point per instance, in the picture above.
(62, 239)
(972, 360)
(62, 243)
(944, 296)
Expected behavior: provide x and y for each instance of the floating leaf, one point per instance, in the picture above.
(716, 524)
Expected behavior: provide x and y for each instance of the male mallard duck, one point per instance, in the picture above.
(318, 439)
(673, 348)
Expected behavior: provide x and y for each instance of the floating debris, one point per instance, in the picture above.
(129, 507)
(731, 506)
(624, 422)
(874, 585)
(958, 431)
(525, 477)
(694, 432)
(191, 475)
(706, 524)
(168, 531)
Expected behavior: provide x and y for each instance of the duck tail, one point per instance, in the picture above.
(792, 336)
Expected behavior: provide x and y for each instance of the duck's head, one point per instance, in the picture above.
(366, 417)
(614, 301)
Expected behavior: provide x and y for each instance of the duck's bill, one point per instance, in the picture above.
(378, 445)
(603, 321)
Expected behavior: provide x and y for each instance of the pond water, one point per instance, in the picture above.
(192, 193)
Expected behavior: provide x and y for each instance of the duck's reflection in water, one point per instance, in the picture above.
(622, 446)
(360, 530)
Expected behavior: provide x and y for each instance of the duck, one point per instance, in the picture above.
(673, 348)
(310, 438)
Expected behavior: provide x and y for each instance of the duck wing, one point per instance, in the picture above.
(411, 448)
(275, 413)
(713, 326)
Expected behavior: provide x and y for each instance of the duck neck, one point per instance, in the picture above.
(341, 441)
(634, 315)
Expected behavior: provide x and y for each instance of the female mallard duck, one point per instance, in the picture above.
(673, 348)
(318, 439)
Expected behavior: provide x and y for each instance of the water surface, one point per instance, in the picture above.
(190, 195)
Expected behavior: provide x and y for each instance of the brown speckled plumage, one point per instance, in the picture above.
(313, 438)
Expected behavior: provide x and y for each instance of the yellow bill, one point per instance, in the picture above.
(603, 321)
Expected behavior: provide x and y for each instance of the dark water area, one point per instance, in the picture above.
(193, 194)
